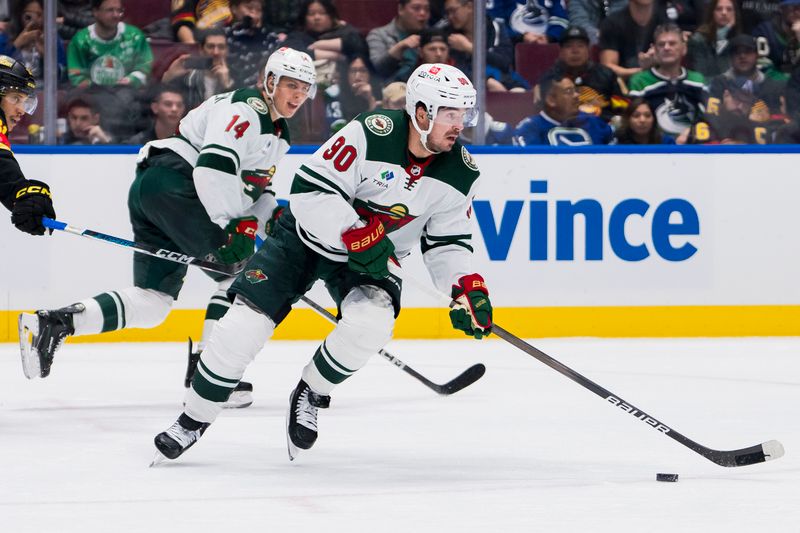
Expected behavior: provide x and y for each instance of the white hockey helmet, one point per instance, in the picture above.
(293, 64)
(437, 85)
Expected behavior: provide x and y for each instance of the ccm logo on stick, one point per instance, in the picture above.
(175, 256)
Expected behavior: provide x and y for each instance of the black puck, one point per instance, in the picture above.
(667, 477)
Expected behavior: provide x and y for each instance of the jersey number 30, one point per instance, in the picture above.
(238, 128)
(342, 154)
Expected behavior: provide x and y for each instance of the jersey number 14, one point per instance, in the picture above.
(238, 128)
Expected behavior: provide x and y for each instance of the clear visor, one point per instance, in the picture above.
(463, 117)
(28, 102)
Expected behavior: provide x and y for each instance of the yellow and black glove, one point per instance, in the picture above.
(32, 201)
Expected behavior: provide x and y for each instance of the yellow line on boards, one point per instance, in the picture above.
(525, 322)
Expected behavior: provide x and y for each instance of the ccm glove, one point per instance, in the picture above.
(368, 249)
(32, 201)
(474, 314)
(272, 223)
(241, 240)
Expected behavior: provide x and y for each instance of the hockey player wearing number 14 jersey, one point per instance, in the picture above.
(205, 190)
(384, 183)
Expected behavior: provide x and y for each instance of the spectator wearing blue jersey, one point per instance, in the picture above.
(561, 123)
(531, 21)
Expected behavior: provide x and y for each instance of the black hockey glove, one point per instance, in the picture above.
(32, 201)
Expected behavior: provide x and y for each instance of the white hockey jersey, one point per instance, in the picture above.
(366, 167)
(234, 148)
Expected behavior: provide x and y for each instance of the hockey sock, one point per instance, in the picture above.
(365, 327)
(236, 340)
(128, 308)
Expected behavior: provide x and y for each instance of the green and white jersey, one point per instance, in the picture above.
(366, 167)
(91, 59)
(234, 148)
(678, 103)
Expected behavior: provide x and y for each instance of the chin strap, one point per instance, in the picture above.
(423, 135)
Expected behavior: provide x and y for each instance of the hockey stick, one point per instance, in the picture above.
(766, 451)
(465, 379)
(177, 257)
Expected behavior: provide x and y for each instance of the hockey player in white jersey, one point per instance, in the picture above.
(385, 182)
(204, 191)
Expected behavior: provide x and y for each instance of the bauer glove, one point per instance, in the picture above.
(368, 249)
(474, 314)
(241, 240)
(32, 201)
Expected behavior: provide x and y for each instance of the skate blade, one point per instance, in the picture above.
(28, 331)
(158, 459)
(239, 400)
(293, 450)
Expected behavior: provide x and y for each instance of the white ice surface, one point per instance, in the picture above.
(523, 449)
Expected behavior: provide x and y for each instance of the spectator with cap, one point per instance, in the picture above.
(393, 47)
(739, 119)
(708, 47)
(782, 37)
(599, 90)
(561, 122)
(433, 47)
(744, 75)
(676, 94)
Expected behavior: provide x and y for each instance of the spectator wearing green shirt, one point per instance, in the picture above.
(109, 52)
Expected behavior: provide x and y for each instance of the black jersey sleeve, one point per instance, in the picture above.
(11, 177)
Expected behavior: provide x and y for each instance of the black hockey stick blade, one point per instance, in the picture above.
(465, 379)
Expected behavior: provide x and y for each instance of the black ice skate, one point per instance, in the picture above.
(301, 419)
(242, 395)
(178, 438)
(41, 334)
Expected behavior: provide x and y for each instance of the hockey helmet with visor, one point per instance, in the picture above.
(446, 93)
(16, 78)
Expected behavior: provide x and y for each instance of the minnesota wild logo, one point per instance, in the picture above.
(468, 159)
(392, 217)
(255, 276)
(379, 124)
(258, 105)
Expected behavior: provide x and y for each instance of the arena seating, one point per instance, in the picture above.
(366, 14)
(510, 107)
(165, 52)
(532, 60)
(140, 13)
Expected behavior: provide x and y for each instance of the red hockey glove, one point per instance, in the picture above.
(368, 249)
(474, 315)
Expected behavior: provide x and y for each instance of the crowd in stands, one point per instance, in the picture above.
(558, 72)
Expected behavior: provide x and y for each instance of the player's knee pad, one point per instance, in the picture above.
(236, 340)
(365, 327)
(145, 308)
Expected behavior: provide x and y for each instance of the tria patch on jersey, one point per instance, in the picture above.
(379, 125)
(258, 104)
(468, 159)
(255, 276)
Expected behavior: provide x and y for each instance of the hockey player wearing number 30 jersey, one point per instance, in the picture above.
(385, 182)
(205, 190)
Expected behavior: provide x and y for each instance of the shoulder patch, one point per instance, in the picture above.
(379, 124)
(258, 104)
(468, 159)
